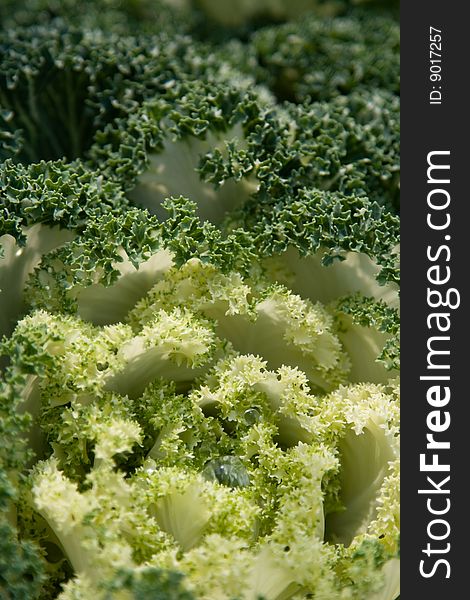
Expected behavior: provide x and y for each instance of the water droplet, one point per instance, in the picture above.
(251, 416)
(227, 470)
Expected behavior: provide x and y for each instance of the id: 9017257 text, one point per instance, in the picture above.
(435, 65)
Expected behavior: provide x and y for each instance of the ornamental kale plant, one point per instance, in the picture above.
(199, 300)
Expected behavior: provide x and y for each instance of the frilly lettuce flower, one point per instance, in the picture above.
(214, 432)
